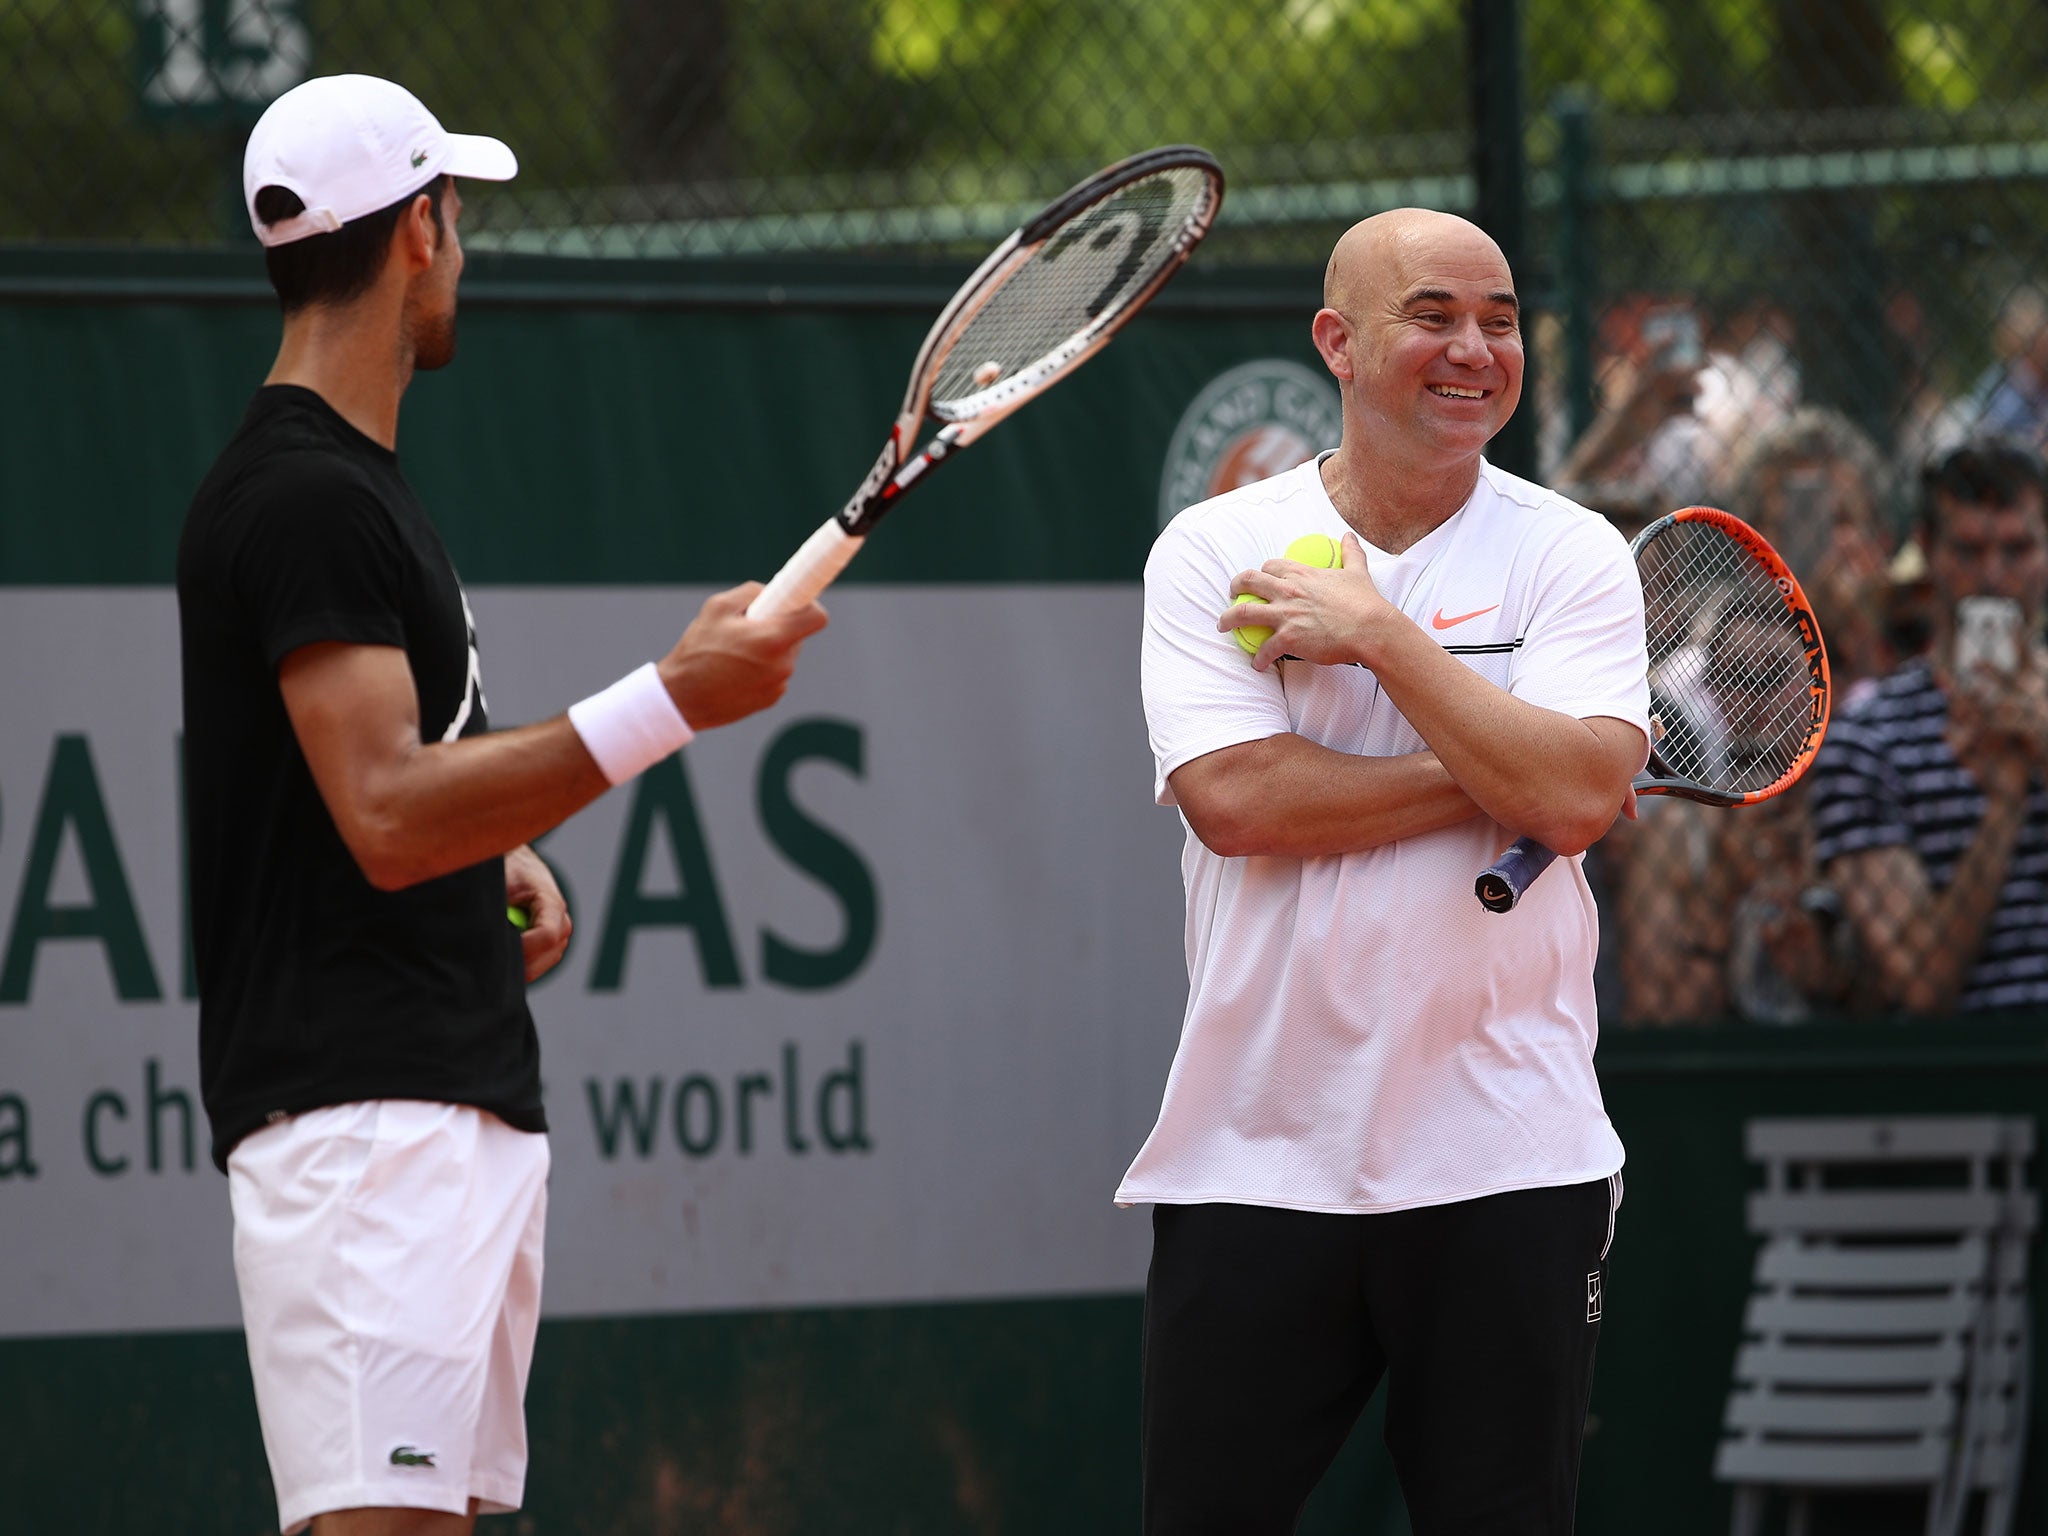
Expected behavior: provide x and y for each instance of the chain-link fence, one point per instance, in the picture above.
(1779, 254)
(1872, 161)
(715, 127)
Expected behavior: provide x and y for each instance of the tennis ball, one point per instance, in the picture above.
(1317, 549)
(518, 918)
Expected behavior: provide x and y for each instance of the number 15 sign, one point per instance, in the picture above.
(211, 54)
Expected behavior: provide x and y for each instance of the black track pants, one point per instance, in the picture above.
(1267, 1330)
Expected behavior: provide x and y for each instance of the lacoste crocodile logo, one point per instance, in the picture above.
(1443, 622)
(406, 1456)
(419, 158)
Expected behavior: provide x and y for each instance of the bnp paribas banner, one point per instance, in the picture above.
(870, 998)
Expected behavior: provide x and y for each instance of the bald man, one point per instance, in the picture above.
(1382, 1150)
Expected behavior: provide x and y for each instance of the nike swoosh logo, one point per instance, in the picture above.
(1440, 622)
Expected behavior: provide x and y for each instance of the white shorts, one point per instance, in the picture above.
(389, 1260)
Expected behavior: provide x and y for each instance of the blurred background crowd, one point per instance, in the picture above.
(1908, 872)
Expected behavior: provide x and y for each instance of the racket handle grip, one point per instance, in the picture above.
(807, 572)
(1501, 883)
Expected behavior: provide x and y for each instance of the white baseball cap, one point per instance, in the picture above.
(349, 145)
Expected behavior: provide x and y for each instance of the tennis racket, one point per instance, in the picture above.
(1045, 301)
(1738, 676)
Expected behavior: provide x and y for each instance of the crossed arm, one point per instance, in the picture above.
(1293, 797)
(1535, 771)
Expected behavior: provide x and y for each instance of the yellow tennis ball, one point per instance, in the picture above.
(1251, 636)
(518, 917)
(1317, 549)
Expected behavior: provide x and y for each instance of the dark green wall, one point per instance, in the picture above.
(688, 425)
(1680, 1268)
(996, 1419)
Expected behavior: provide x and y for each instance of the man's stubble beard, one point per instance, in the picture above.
(433, 341)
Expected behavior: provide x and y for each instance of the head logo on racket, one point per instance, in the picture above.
(1045, 301)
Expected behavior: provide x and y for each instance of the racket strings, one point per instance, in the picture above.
(1078, 281)
(1729, 676)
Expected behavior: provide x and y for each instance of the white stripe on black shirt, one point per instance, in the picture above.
(1886, 778)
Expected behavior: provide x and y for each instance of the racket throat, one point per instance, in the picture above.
(935, 453)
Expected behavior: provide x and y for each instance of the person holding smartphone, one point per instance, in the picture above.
(1929, 810)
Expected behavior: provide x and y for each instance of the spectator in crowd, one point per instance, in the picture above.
(1751, 383)
(1819, 489)
(1678, 409)
(1762, 932)
(2012, 397)
(1644, 387)
(1724, 915)
(1929, 812)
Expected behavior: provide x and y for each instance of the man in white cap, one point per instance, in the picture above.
(368, 1062)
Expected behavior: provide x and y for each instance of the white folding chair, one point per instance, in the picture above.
(1884, 1345)
(1993, 1448)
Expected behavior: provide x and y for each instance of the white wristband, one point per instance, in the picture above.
(630, 726)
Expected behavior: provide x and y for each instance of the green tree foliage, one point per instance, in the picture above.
(791, 104)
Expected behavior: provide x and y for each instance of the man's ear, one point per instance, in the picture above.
(1332, 335)
(417, 238)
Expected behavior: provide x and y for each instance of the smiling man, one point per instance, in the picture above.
(1382, 1151)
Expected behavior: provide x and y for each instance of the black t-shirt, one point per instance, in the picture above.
(315, 987)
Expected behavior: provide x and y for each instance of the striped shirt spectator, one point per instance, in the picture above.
(1930, 817)
(1888, 778)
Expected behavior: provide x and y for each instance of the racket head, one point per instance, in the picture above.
(1052, 294)
(1739, 683)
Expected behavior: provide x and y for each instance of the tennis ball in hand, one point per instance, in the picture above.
(1317, 549)
(519, 918)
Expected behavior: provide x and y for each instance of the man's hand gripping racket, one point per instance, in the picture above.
(1739, 690)
(1045, 301)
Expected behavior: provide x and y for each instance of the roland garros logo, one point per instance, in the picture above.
(1248, 424)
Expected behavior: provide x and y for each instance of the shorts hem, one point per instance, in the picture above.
(498, 1495)
(295, 1516)
(1126, 1198)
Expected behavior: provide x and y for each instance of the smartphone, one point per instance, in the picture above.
(1672, 333)
(1987, 635)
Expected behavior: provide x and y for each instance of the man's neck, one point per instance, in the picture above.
(353, 357)
(1390, 505)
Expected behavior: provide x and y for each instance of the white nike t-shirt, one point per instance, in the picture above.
(1360, 1034)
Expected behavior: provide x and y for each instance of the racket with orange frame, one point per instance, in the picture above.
(1739, 691)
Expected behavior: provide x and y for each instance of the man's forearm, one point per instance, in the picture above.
(447, 805)
(1292, 797)
(1940, 945)
(1533, 770)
